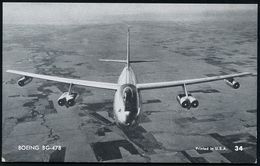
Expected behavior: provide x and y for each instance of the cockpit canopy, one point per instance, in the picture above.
(129, 95)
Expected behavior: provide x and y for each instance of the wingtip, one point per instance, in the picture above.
(10, 71)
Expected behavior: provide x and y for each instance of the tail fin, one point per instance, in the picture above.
(128, 48)
(127, 61)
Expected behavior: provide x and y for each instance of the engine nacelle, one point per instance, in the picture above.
(67, 99)
(183, 100)
(232, 83)
(71, 99)
(62, 99)
(193, 101)
(24, 80)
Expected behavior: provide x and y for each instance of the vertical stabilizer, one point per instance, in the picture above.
(128, 48)
(127, 61)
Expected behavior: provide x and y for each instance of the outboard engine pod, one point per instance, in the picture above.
(236, 85)
(24, 80)
(232, 83)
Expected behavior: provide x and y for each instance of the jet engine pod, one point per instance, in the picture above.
(62, 99)
(24, 80)
(232, 83)
(71, 99)
(183, 101)
(71, 102)
(194, 102)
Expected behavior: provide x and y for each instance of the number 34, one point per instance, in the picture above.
(239, 148)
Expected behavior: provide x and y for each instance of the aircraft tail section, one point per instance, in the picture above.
(127, 61)
(128, 48)
(113, 60)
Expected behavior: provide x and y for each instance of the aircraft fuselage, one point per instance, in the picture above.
(127, 99)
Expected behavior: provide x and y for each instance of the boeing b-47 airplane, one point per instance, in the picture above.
(127, 99)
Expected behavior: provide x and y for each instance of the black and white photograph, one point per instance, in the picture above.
(129, 82)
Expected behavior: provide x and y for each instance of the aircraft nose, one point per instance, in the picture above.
(129, 120)
(126, 118)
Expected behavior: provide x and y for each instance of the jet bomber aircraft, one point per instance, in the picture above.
(127, 105)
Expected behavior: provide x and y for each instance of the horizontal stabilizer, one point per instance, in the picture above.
(141, 61)
(113, 60)
(124, 61)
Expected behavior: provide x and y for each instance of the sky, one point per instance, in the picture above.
(81, 13)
